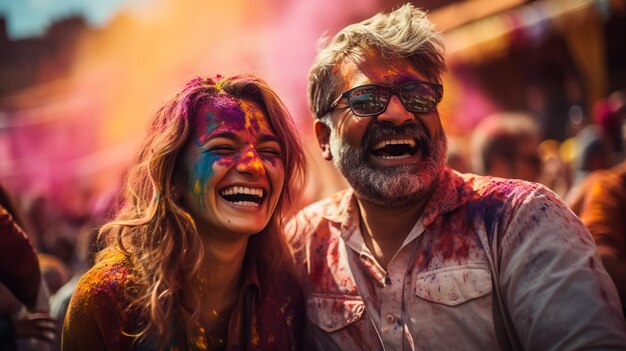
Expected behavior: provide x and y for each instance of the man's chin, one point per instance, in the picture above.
(394, 189)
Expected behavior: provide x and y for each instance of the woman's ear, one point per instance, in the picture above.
(322, 131)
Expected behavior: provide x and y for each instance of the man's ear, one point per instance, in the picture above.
(322, 131)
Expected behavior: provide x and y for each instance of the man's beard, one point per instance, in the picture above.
(390, 186)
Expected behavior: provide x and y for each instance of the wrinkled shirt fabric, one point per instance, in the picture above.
(437, 293)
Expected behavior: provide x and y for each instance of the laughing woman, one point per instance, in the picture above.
(196, 257)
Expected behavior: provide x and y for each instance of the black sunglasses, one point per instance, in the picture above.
(373, 99)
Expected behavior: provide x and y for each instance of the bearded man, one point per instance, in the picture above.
(414, 255)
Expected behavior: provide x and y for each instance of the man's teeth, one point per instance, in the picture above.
(382, 144)
(235, 190)
(395, 157)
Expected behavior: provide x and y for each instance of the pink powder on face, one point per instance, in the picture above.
(221, 111)
(249, 159)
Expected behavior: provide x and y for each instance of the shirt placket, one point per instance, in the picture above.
(385, 306)
(391, 324)
(382, 291)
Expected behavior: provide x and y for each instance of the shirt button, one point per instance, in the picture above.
(453, 295)
(385, 330)
(390, 318)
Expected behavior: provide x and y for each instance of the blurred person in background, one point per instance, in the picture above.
(557, 174)
(19, 266)
(24, 314)
(196, 257)
(592, 152)
(597, 146)
(456, 157)
(87, 246)
(603, 210)
(414, 255)
(610, 115)
(506, 145)
(509, 145)
(53, 271)
(86, 249)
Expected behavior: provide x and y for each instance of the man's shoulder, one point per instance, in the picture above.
(329, 205)
(485, 187)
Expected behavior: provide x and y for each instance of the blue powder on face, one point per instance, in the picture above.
(203, 163)
(202, 172)
(211, 126)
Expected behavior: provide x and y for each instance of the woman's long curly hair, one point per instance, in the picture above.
(159, 235)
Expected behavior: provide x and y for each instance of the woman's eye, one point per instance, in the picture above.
(269, 152)
(221, 149)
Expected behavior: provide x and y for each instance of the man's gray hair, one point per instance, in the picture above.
(403, 33)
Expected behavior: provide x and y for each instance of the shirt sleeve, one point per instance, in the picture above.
(555, 288)
(19, 267)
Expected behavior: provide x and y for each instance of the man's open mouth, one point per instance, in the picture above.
(395, 148)
(243, 196)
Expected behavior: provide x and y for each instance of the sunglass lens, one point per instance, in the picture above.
(419, 97)
(368, 100)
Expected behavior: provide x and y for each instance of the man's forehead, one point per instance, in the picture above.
(372, 68)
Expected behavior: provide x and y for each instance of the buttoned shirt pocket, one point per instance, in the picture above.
(334, 312)
(452, 286)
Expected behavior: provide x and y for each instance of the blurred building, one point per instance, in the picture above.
(28, 62)
(538, 56)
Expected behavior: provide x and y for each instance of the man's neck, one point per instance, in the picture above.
(385, 228)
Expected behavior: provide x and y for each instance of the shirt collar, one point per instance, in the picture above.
(451, 193)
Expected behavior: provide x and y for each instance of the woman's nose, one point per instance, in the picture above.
(251, 162)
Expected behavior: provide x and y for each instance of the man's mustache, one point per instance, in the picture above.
(379, 131)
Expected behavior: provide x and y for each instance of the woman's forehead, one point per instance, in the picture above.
(227, 112)
(221, 107)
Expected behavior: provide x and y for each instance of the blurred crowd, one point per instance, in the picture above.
(587, 170)
(44, 254)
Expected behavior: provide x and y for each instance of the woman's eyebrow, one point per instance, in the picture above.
(267, 137)
(223, 134)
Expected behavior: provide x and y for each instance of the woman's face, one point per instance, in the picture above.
(233, 168)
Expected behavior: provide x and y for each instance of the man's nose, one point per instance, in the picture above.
(395, 113)
(251, 162)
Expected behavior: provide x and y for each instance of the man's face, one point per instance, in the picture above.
(390, 159)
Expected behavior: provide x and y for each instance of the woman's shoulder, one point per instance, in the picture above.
(109, 280)
(100, 307)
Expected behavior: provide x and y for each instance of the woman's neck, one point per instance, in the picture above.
(220, 283)
(223, 263)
